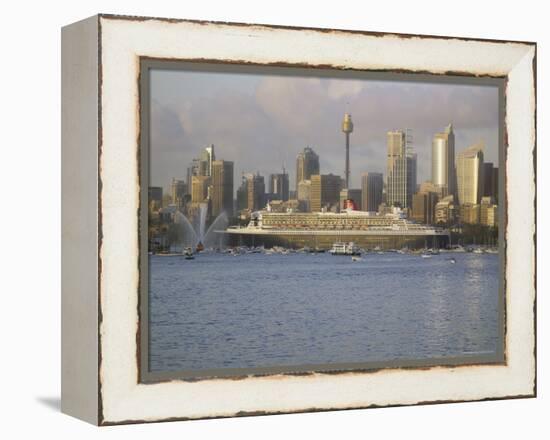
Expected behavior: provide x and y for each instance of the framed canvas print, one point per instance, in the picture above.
(262, 219)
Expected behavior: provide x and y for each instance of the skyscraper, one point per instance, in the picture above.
(423, 207)
(469, 171)
(401, 171)
(347, 128)
(255, 185)
(443, 162)
(199, 188)
(242, 194)
(304, 194)
(325, 191)
(222, 187)
(307, 164)
(178, 190)
(193, 170)
(278, 186)
(372, 185)
(411, 177)
(490, 180)
(207, 158)
(201, 166)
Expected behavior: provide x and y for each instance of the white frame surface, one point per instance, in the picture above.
(120, 396)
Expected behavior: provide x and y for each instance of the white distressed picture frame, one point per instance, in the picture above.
(101, 196)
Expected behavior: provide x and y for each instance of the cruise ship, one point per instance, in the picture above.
(320, 230)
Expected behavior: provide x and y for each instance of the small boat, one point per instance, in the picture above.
(200, 247)
(426, 256)
(341, 248)
(452, 260)
(355, 258)
(189, 257)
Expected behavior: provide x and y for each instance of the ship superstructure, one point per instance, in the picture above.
(322, 229)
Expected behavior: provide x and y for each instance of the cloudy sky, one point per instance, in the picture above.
(261, 122)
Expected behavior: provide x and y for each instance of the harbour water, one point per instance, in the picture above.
(266, 310)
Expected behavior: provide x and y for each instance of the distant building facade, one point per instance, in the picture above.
(255, 186)
(307, 165)
(222, 187)
(423, 207)
(469, 170)
(199, 188)
(401, 171)
(488, 212)
(445, 211)
(443, 162)
(469, 213)
(155, 198)
(490, 181)
(178, 192)
(242, 194)
(201, 166)
(279, 186)
(207, 159)
(325, 192)
(372, 187)
(304, 194)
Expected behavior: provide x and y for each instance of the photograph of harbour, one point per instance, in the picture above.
(312, 220)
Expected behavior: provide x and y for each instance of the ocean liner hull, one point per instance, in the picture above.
(325, 240)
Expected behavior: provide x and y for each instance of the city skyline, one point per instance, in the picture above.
(266, 138)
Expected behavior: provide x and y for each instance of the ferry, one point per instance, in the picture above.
(341, 248)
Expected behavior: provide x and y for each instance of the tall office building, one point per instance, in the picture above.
(401, 171)
(178, 191)
(443, 162)
(222, 187)
(278, 186)
(423, 207)
(201, 166)
(304, 194)
(207, 158)
(193, 170)
(490, 180)
(255, 188)
(242, 194)
(372, 185)
(325, 192)
(469, 172)
(199, 188)
(411, 177)
(307, 164)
